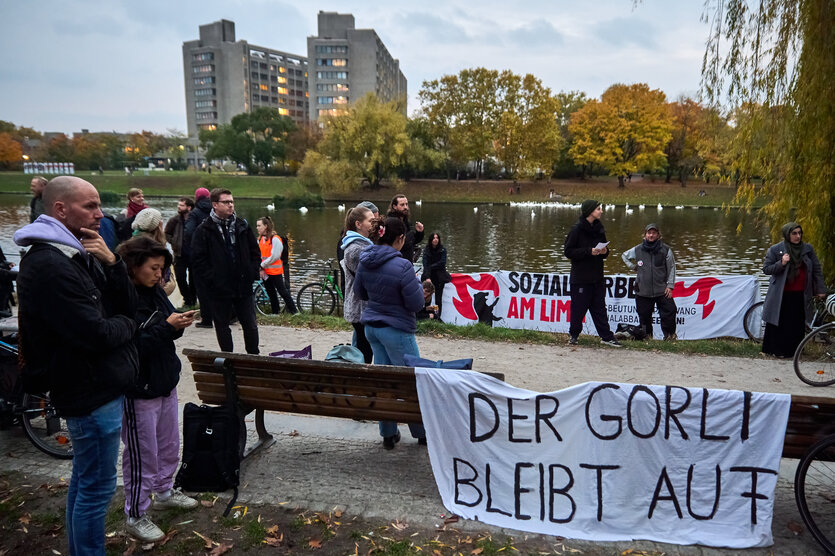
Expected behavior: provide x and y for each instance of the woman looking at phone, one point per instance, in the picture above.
(150, 427)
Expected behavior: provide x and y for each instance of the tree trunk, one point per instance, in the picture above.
(682, 177)
(669, 175)
(620, 182)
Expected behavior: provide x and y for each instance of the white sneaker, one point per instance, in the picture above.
(143, 529)
(175, 499)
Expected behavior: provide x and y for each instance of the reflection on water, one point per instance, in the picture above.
(497, 237)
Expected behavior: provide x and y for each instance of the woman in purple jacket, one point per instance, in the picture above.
(388, 282)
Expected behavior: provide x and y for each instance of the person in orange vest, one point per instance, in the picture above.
(272, 269)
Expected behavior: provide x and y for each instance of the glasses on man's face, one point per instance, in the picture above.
(227, 202)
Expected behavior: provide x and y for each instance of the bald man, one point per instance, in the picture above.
(76, 326)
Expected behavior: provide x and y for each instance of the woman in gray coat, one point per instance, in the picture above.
(795, 277)
(358, 224)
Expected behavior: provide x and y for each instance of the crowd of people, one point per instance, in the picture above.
(96, 322)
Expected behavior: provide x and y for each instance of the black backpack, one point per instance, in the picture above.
(212, 449)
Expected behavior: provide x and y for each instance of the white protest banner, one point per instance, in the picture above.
(605, 461)
(708, 306)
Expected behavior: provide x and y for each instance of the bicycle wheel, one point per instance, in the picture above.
(753, 322)
(47, 431)
(262, 300)
(813, 485)
(313, 298)
(814, 359)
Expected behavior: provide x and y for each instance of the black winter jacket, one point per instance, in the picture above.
(78, 323)
(434, 265)
(412, 238)
(585, 267)
(200, 212)
(214, 266)
(159, 365)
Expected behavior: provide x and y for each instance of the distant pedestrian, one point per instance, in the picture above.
(434, 268)
(36, 207)
(175, 230)
(226, 259)
(136, 204)
(388, 282)
(586, 247)
(272, 266)
(795, 276)
(656, 269)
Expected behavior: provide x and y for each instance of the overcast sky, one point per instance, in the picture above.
(116, 65)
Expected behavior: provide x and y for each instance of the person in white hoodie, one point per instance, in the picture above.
(77, 307)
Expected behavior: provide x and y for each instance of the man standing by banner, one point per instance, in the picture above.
(656, 280)
(586, 246)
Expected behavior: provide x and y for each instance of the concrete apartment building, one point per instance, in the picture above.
(224, 76)
(346, 63)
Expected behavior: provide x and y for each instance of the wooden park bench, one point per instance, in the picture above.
(327, 388)
(387, 393)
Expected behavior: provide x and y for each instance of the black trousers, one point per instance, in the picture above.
(206, 313)
(276, 282)
(362, 342)
(245, 310)
(185, 281)
(590, 298)
(666, 310)
(439, 297)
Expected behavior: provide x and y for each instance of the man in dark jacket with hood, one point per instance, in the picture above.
(586, 246)
(400, 209)
(227, 261)
(76, 326)
(198, 215)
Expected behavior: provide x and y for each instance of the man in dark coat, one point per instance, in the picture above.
(400, 209)
(586, 246)
(76, 326)
(198, 215)
(227, 261)
(175, 233)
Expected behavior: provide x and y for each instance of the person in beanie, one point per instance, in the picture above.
(148, 223)
(656, 270)
(200, 212)
(588, 290)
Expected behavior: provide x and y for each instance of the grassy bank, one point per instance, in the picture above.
(604, 189)
(730, 347)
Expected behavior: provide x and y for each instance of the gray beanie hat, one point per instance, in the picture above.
(588, 207)
(370, 206)
(147, 220)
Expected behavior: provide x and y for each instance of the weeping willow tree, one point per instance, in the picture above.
(773, 61)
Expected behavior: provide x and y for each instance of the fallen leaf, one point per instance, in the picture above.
(56, 552)
(130, 550)
(221, 549)
(272, 541)
(795, 527)
(147, 547)
(209, 542)
(477, 551)
(272, 531)
(293, 433)
(207, 503)
(24, 519)
(451, 519)
(315, 543)
(168, 537)
(399, 525)
(337, 513)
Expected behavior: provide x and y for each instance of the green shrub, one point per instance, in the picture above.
(110, 198)
(298, 199)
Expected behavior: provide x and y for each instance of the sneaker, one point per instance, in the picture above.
(202, 324)
(176, 499)
(422, 441)
(573, 341)
(671, 337)
(143, 529)
(390, 441)
(612, 343)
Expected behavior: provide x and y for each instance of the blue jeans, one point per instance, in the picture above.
(95, 443)
(390, 345)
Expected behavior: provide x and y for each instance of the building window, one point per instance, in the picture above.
(208, 80)
(210, 127)
(205, 92)
(264, 87)
(204, 68)
(332, 75)
(282, 79)
(206, 115)
(283, 111)
(334, 62)
(282, 69)
(203, 57)
(329, 112)
(263, 76)
(331, 49)
(338, 87)
(265, 98)
(282, 90)
(274, 100)
(205, 103)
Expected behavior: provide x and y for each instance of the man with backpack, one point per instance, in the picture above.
(76, 339)
(656, 269)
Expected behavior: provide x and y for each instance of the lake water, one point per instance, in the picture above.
(499, 237)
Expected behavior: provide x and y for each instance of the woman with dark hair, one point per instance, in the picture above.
(150, 428)
(388, 282)
(272, 269)
(795, 277)
(358, 225)
(434, 268)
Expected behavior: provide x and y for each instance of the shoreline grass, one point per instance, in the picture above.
(721, 347)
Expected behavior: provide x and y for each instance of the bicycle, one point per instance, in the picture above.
(753, 322)
(813, 483)
(814, 358)
(319, 298)
(41, 422)
(262, 300)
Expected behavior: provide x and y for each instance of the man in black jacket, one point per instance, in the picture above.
(174, 233)
(76, 327)
(227, 260)
(586, 246)
(198, 215)
(400, 209)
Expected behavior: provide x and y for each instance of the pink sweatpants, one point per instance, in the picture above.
(151, 435)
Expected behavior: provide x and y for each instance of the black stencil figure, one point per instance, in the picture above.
(483, 310)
